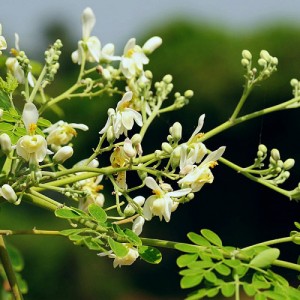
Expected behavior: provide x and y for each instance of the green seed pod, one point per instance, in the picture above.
(265, 258)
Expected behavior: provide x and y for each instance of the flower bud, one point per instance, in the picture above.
(246, 54)
(110, 135)
(265, 55)
(262, 62)
(8, 193)
(262, 148)
(167, 147)
(294, 82)
(129, 211)
(245, 62)
(175, 157)
(152, 44)
(1, 113)
(136, 139)
(5, 143)
(188, 94)
(275, 154)
(128, 149)
(63, 154)
(138, 224)
(168, 78)
(289, 163)
(176, 131)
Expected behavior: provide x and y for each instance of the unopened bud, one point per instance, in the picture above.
(152, 44)
(168, 78)
(167, 147)
(275, 154)
(128, 149)
(136, 139)
(175, 157)
(110, 135)
(262, 62)
(8, 193)
(289, 163)
(262, 148)
(63, 154)
(1, 113)
(176, 131)
(247, 54)
(294, 82)
(265, 55)
(190, 196)
(188, 94)
(245, 62)
(5, 143)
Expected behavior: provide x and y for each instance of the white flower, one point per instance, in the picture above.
(201, 174)
(14, 67)
(92, 188)
(62, 132)
(3, 44)
(7, 192)
(127, 260)
(192, 151)
(123, 118)
(161, 204)
(134, 57)
(32, 148)
(30, 116)
(63, 154)
(137, 226)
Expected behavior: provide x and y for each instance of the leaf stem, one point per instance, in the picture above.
(11, 276)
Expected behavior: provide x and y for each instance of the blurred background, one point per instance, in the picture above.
(202, 44)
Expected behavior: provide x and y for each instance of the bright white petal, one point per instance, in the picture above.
(88, 22)
(200, 125)
(30, 114)
(152, 184)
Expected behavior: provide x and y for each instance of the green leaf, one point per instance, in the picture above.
(68, 232)
(211, 277)
(66, 213)
(133, 237)
(150, 254)
(223, 269)
(249, 289)
(187, 282)
(204, 264)
(191, 272)
(6, 126)
(43, 122)
(15, 257)
(187, 248)
(260, 297)
(211, 237)
(265, 258)
(232, 263)
(9, 116)
(4, 101)
(228, 289)
(119, 249)
(198, 239)
(212, 292)
(197, 295)
(93, 244)
(185, 259)
(97, 213)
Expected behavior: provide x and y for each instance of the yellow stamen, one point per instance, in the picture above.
(99, 187)
(212, 164)
(32, 128)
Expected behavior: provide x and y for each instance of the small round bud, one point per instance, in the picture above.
(260, 154)
(129, 211)
(274, 61)
(188, 94)
(265, 55)
(1, 113)
(275, 154)
(247, 54)
(245, 62)
(136, 139)
(286, 174)
(166, 147)
(190, 196)
(262, 62)
(148, 74)
(262, 148)
(289, 163)
(168, 78)
(294, 82)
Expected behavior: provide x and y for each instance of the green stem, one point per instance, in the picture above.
(11, 276)
(259, 180)
(27, 232)
(37, 85)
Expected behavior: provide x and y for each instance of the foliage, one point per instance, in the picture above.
(35, 155)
